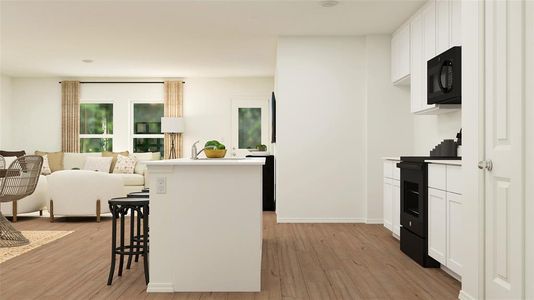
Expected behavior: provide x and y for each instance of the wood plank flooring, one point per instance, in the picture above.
(300, 261)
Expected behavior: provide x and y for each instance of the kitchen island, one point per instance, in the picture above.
(205, 225)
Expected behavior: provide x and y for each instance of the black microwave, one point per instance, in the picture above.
(444, 77)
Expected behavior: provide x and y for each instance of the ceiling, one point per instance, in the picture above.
(173, 38)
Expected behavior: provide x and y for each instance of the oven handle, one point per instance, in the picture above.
(410, 166)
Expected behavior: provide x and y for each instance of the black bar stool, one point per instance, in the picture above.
(119, 208)
(138, 238)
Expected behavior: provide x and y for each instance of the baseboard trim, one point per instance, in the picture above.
(160, 288)
(465, 296)
(320, 220)
(374, 221)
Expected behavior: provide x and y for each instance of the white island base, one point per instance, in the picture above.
(205, 225)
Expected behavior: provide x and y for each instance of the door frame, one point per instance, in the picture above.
(473, 149)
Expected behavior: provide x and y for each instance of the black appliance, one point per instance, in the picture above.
(273, 118)
(444, 77)
(414, 208)
(269, 203)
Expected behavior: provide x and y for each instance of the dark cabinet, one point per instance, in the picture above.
(269, 202)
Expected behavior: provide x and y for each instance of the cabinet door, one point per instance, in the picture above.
(429, 36)
(454, 232)
(437, 225)
(416, 63)
(388, 209)
(443, 25)
(400, 54)
(456, 23)
(396, 207)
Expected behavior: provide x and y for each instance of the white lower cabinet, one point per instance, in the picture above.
(445, 216)
(396, 208)
(388, 203)
(391, 197)
(454, 229)
(437, 225)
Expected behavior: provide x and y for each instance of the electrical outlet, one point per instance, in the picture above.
(161, 185)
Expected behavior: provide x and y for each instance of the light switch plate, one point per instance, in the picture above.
(161, 185)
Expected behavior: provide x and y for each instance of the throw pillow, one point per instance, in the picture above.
(55, 159)
(125, 164)
(114, 156)
(100, 164)
(46, 166)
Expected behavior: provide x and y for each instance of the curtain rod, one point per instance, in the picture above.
(144, 82)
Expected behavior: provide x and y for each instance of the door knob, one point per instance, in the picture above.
(485, 164)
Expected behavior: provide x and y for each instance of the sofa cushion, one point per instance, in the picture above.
(100, 164)
(113, 155)
(140, 167)
(77, 160)
(131, 179)
(125, 164)
(55, 159)
(45, 170)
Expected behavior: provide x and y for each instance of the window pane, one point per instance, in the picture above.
(249, 127)
(96, 145)
(96, 118)
(147, 118)
(141, 145)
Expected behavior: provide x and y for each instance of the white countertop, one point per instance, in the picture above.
(256, 161)
(445, 162)
(391, 158)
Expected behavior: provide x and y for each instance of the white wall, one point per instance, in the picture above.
(35, 108)
(334, 100)
(34, 115)
(431, 130)
(5, 96)
(389, 122)
(207, 106)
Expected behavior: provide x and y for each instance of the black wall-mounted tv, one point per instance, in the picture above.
(273, 118)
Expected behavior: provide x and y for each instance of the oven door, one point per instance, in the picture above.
(444, 78)
(413, 195)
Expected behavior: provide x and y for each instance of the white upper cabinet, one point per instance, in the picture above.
(433, 29)
(448, 22)
(400, 55)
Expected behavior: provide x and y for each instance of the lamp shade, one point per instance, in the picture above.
(172, 125)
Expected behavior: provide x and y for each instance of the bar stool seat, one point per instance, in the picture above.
(119, 208)
(138, 195)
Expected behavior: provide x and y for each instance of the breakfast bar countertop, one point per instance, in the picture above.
(208, 162)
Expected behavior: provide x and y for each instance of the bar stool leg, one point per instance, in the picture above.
(138, 243)
(121, 256)
(145, 241)
(132, 228)
(113, 242)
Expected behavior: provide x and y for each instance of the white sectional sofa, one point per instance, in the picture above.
(40, 199)
(132, 182)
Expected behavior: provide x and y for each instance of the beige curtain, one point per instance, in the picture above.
(173, 91)
(70, 116)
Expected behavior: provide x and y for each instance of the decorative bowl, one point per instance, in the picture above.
(215, 153)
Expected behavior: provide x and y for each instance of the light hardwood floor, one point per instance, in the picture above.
(300, 261)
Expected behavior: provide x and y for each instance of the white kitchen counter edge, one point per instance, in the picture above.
(445, 162)
(391, 158)
(256, 161)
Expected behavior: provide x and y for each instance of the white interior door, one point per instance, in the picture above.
(504, 183)
(250, 125)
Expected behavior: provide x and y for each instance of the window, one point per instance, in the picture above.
(249, 127)
(147, 136)
(96, 127)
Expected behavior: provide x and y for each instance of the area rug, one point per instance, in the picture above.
(36, 238)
